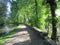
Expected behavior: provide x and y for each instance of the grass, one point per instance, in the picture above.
(5, 37)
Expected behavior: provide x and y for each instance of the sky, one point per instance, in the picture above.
(8, 6)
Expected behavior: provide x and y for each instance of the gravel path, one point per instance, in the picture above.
(26, 37)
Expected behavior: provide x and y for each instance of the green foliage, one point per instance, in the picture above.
(33, 12)
(2, 13)
(5, 37)
(2, 9)
(24, 11)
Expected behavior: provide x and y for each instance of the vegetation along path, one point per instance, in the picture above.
(26, 36)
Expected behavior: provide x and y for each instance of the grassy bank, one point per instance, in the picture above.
(5, 37)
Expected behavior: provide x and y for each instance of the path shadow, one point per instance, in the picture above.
(35, 38)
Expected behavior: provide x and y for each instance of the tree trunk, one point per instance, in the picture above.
(54, 21)
(36, 21)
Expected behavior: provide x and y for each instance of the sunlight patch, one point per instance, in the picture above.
(58, 12)
(22, 26)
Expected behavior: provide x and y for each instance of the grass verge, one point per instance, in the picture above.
(5, 37)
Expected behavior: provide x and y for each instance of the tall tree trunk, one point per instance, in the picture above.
(54, 21)
(36, 21)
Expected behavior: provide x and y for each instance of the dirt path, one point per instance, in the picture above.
(26, 37)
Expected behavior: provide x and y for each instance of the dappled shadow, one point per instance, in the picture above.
(26, 36)
(22, 43)
(32, 43)
(35, 38)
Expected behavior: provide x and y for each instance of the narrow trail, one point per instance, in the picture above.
(26, 36)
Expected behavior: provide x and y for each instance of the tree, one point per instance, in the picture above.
(14, 11)
(36, 12)
(53, 5)
(2, 13)
(2, 9)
